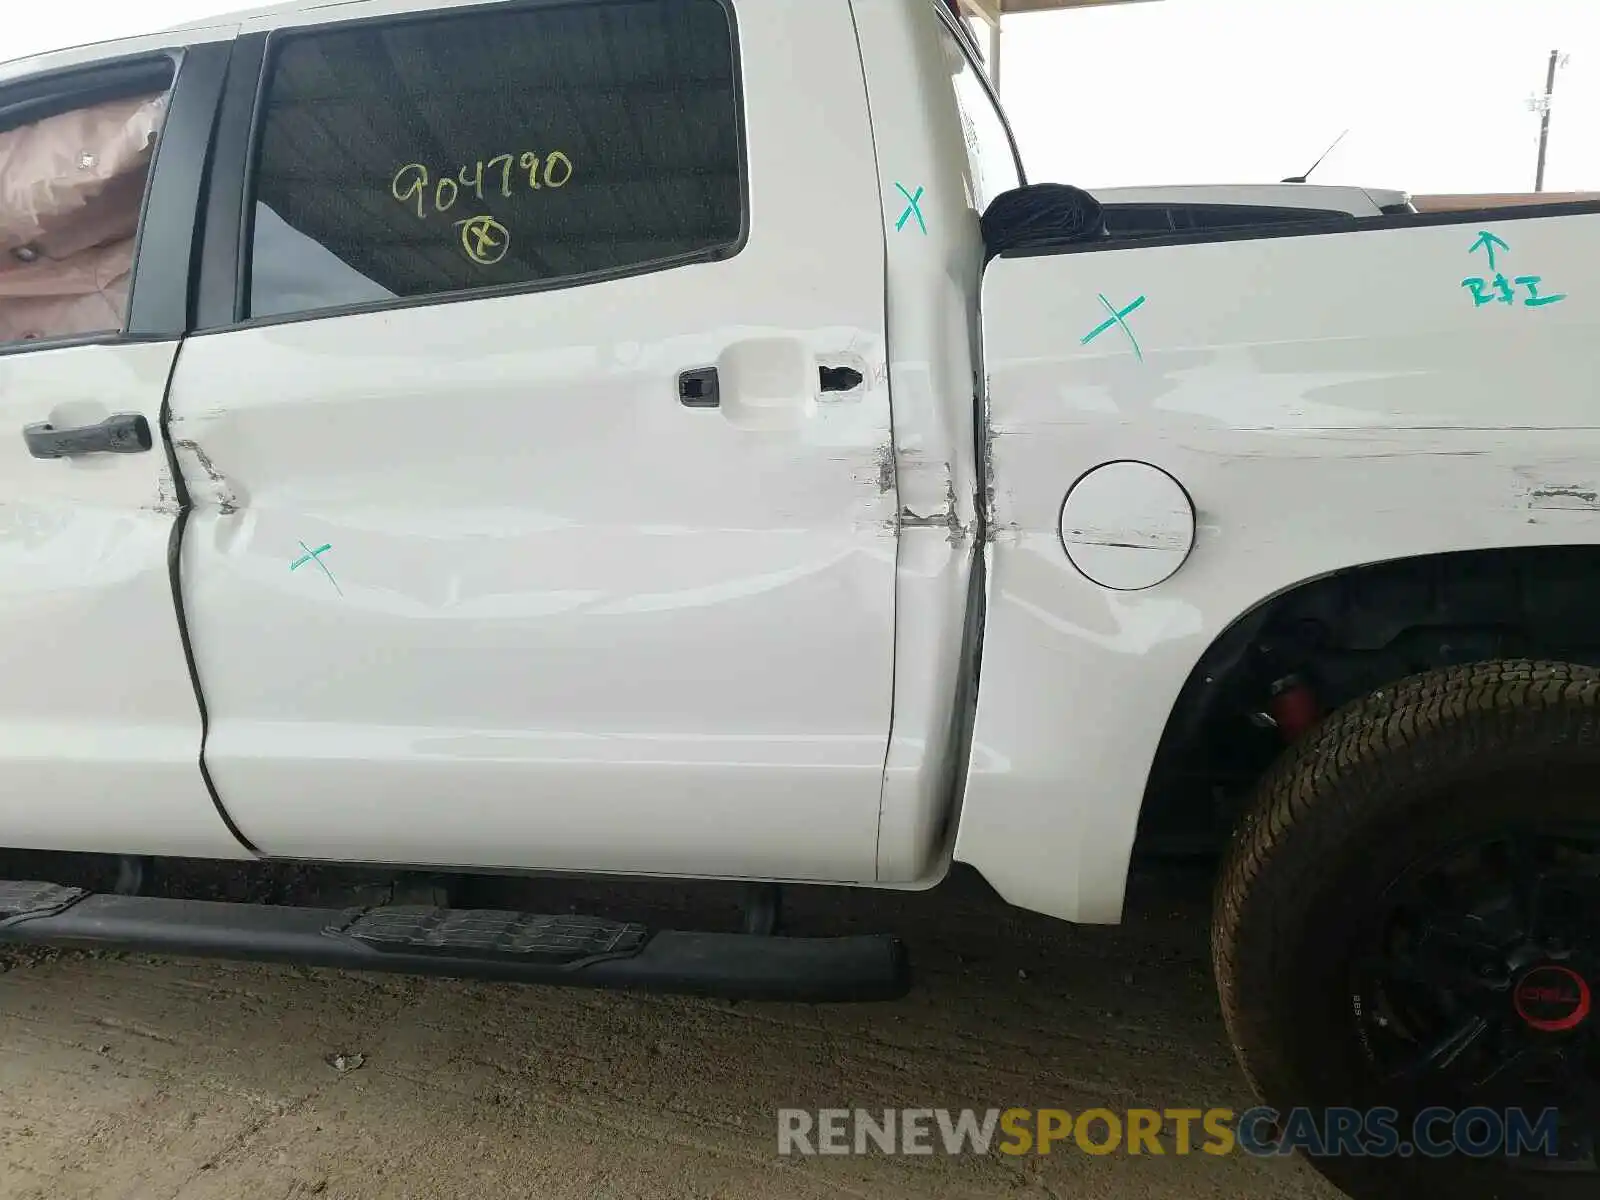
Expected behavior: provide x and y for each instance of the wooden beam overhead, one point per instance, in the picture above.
(984, 10)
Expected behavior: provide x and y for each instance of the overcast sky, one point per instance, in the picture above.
(1434, 92)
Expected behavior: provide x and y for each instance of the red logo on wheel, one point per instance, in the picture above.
(1554, 999)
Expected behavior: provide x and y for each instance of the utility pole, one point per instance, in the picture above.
(1542, 106)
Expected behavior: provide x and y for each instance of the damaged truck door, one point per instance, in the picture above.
(96, 699)
(540, 517)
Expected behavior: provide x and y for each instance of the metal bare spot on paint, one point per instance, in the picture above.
(1495, 288)
(1127, 526)
(226, 496)
(1119, 316)
(913, 208)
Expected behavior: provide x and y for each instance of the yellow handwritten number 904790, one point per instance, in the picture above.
(411, 182)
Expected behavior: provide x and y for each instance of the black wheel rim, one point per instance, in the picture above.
(1478, 985)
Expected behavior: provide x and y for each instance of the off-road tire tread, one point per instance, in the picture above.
(1343, 777)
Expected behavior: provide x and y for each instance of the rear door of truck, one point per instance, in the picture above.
(536, 432)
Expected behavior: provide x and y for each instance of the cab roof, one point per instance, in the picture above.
(239, 16)
(223, 23)
(221, 26)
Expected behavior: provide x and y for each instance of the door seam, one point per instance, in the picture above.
(175, 574)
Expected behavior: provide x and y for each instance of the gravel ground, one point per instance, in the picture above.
(128, 1077)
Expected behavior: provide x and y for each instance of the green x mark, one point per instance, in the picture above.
(311, 555)
(1116, 318)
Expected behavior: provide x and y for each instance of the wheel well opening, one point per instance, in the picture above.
(1308, 651)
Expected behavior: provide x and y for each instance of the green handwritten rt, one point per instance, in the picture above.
(1499, 289)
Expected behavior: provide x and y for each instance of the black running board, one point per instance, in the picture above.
(474, 944)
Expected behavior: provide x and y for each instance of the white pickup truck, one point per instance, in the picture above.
(670, 438)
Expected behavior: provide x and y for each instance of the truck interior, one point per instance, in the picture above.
(73, 172)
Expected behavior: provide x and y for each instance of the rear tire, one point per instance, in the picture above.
(1409, 875)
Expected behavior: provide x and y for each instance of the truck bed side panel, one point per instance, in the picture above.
(1327, 400)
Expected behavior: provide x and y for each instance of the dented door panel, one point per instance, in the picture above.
(475, 583)
(560, 619)
(99, 725)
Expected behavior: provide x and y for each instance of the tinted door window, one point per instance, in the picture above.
(532, 147)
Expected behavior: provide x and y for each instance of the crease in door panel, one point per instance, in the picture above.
(175, 573)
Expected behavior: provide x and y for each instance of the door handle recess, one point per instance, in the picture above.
(840, 379)
(121, 433)
(700, 388)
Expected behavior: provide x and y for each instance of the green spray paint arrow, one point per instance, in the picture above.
(1488, 241)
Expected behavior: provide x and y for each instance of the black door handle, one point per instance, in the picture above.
(123, 433)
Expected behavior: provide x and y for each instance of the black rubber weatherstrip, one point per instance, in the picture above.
(175, 573)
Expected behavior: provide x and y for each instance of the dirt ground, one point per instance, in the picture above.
(130, 1077)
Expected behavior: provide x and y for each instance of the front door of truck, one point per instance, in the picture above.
(100, 728)
(541, 515)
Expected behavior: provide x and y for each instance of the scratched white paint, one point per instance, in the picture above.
(99, 725)
(1326, 401)
(577, 624)
(567, 623)
(1127, 526)
(933, 333)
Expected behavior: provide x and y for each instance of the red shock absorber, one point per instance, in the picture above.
(1293, 707)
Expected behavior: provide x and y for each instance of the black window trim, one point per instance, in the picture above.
(166, 241)
(225, 244)
(234, 248)
(34, 98)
